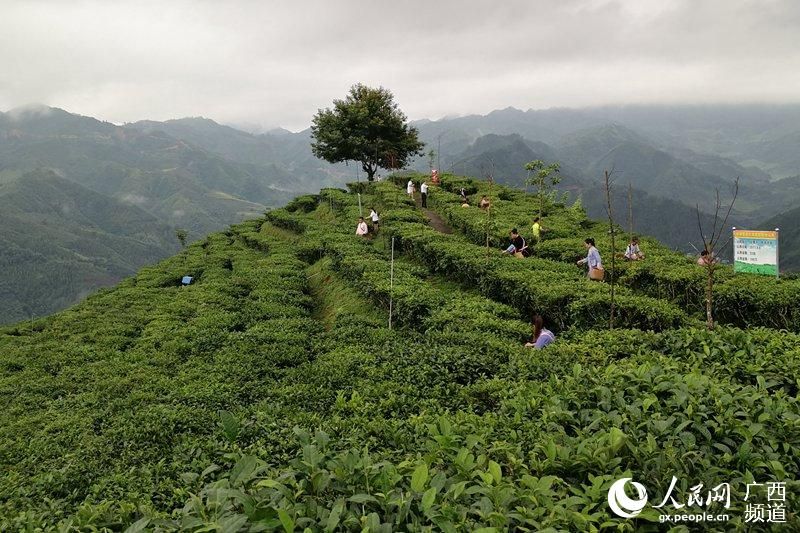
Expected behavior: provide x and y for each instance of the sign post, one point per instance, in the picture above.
(756, 252)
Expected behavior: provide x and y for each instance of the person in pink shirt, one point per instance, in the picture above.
(361, 229)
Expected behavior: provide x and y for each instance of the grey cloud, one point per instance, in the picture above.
(276, 63)
(25, 111)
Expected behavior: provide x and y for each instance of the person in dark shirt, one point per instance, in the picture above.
(518, 245)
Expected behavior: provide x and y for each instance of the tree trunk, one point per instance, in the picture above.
(541, 199)
(370, 170)
(709, 297)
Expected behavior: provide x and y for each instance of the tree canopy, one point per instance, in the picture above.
(538, 177)
(366, 126)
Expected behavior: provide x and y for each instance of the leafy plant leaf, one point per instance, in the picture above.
(419, 477)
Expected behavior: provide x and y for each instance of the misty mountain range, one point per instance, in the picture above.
(84, 203)
(674, 158)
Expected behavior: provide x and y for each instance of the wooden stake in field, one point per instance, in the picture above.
(489, 215)
(610, 213)
(391, 285)
(630, 212)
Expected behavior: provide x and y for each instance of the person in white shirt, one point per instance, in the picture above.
(375, 219)
(424, 190)
(410, 188)
(596, 271)
(361, 229)
(633, 253)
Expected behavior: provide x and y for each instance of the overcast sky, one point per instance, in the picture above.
(273, 63)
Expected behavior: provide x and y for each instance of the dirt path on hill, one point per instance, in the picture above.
(434, 220)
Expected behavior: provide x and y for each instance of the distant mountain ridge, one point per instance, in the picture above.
(59, 241)
(647, 147)
(142, 177)
(197, 174)
(761, 135)
(166, 176)
(286, 154)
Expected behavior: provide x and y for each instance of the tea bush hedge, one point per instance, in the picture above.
(744, 300)
(231, 405)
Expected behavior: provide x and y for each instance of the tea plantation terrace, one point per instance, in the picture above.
(271, 393)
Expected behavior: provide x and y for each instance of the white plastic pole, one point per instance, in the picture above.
(391, 285)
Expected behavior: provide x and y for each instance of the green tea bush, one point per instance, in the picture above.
(107, 389)
(741, 300)
(286, 220)
(305, 203)
(533, 285)
(542, 457)
(752, 301)
(271, 394)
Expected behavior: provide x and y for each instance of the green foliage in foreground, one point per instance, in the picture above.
(271, 395)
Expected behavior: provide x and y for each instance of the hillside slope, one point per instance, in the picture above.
(273, 392)
(60, 241)
(283, 155)
(149, 179)
(789, 224)
(199, 175)
(506, 155)
(177, 182)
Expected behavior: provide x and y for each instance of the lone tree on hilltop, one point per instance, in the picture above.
(544, 178)
(368, 127)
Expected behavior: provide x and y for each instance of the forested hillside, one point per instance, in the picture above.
(86, 203)
(60, 241)
(179, 183)
(313, 379)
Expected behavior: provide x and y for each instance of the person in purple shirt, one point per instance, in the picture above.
(541, 335)
(593, 260)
